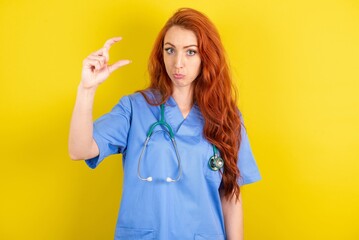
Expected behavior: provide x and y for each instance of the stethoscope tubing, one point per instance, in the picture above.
(168, 179)
(215, 162)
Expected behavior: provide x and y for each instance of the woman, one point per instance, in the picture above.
(185, 151)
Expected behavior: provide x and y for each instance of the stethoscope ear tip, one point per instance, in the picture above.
(168, 179)
(149, 179)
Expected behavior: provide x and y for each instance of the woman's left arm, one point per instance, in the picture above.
(233, 217)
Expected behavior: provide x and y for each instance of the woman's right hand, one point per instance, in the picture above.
(95, 68)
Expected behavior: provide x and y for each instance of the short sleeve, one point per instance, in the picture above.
(110, 131)
(246, 163)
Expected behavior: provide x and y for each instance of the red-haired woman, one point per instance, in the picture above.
(185, 150)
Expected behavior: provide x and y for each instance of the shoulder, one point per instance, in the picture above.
(140, 96)
(130, 99)
(138, 100)
(240, 115)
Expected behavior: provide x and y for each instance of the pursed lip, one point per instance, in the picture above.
(178, 76)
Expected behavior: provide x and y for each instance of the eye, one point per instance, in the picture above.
(191, 52)
(169, 50)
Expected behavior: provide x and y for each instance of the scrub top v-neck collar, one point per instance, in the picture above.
(174, 117)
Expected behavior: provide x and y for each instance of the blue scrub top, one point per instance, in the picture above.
(187, 209)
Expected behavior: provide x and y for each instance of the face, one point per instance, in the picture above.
(181, 57)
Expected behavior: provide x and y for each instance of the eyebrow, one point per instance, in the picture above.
(192, 45)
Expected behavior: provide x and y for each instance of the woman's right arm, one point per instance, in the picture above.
(81, 143)
(95, 71)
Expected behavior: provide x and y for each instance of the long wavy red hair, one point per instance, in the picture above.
(213, 91)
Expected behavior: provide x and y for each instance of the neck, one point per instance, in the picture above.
(184, 99)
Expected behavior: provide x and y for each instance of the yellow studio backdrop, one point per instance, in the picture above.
(295, 64)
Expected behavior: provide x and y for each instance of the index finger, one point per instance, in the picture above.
(111, 41)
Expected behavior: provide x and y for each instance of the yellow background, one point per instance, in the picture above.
(295, 63)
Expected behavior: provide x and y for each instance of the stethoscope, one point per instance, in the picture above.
(215, 163)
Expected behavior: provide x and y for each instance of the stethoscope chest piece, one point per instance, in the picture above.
(215, 163)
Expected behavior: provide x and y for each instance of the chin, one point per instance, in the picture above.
(179, 84)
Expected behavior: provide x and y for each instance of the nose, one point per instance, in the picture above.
(179, 61)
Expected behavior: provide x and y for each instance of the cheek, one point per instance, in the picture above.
(167, 63)
(197, 67)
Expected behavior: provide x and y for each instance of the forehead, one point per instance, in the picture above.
(180, 36)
